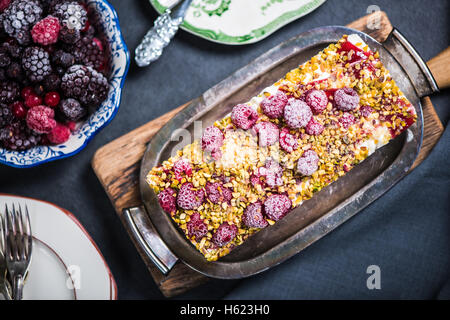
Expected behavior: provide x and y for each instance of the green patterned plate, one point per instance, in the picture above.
(239, 21)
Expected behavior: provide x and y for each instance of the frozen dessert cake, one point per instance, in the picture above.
(275, 151)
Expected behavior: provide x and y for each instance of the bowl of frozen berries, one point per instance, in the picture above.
(62, 68)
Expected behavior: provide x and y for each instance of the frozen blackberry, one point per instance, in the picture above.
(15, 71)
(18, 137)
(19, 18)
(64, 59)
(89, 51)
(85, 84)
(49, 4)
(9, 91)
(72, 110)
(90, 32)
(69, 36)
(13, 47)
(2, 74)
(5, 60)
(71, 14)
(52, 82)
(5, 115)
(36, 63)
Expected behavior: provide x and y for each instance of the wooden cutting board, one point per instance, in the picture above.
(117, 165)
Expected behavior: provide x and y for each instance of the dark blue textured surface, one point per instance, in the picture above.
(406, 232)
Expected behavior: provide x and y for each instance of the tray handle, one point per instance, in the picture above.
(412, 63)
(148, 239)
(440, 68)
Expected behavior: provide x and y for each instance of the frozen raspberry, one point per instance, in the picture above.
(277, 206)
(167, 200)
(314, 128)
(317, 100)
(59, 134)
(366, 111)
(180, 167)
(297, 114)
(46, 31)
(196, 227)
(216, 155)
(268, 133)
(224, 234)
(308, 163)
(347, 120)
(243, 116)
(288, 142)
(253, 217)
(19, 110)
(254, 179)
(217, 193)
(212, 139)
(346, 99)
(188, 198)
(273, 173)
(273, 106)
(40, 119)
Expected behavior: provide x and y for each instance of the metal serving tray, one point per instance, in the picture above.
(163, 241)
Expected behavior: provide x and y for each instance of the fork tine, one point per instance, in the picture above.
(21, 235)
(2, 236)
(11, 234)
(6, 233)
(28, 234)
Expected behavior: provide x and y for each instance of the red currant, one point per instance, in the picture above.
(33, 100)
(27, 91)
(19, 110)
(51, 99)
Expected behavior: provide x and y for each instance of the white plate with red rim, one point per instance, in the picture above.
(66, 263)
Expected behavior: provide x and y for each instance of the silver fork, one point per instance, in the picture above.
(4, 285)
(19, 245)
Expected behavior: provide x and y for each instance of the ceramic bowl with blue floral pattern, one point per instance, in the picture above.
(107, 21)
